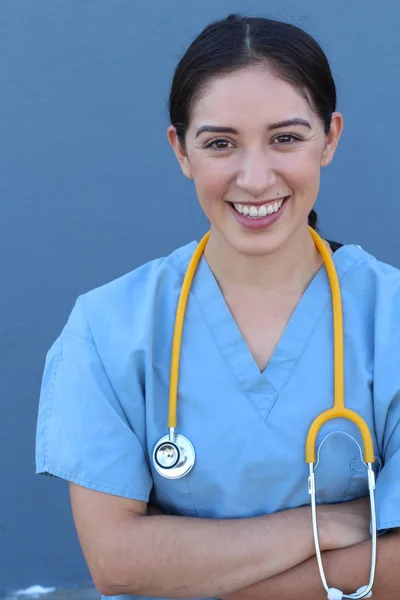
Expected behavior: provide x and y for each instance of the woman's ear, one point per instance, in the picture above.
(332, 139)
(180, 152)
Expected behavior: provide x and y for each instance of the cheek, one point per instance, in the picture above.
(212, 179)
(301, 171)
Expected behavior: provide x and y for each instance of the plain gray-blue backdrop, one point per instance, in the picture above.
(89, 189)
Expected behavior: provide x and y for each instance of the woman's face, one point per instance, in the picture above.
(254, 149)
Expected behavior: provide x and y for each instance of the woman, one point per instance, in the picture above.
(253, 120)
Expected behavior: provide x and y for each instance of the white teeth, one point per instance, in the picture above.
(258, 211)
(253, 211)
(262, 211)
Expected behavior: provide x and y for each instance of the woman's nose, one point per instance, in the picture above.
(256, 175)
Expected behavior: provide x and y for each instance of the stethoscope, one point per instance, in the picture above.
(174, 455)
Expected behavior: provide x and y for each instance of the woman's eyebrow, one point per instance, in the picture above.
(279, 125)
(289, 123)
(216, 129)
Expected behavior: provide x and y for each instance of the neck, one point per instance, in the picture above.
(289, 269)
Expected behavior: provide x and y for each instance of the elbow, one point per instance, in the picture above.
(118, 566)
(107, 586)
(103, 587)
(110, 580)
(102, 581)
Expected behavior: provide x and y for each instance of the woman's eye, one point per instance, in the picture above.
(286, 138)
(219, 144)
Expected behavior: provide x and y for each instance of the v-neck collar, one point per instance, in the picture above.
(264, 387)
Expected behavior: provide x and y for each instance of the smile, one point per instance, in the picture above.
(258, 212)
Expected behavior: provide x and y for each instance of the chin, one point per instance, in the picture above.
(257, 245)
(266, 242)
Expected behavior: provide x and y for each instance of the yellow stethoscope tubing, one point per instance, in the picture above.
(339, 410)
(178, 329)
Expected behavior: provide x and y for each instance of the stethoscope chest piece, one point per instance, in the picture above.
(174, 459)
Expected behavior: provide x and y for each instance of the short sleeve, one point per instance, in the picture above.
(83, 434)
(387, 492)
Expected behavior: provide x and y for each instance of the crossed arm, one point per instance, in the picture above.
(346, 569)
(129, 552)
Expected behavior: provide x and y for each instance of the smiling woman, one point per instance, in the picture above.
(226, 515)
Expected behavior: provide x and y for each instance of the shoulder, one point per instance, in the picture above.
(133, 297)
(365, 267)
(370, 285)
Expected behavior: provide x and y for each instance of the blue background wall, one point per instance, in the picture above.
(89, 189)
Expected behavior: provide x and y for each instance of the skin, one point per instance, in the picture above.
(254, 165)
(130, 552)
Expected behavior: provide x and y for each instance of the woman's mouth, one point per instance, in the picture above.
(258, 212)
(254, 216)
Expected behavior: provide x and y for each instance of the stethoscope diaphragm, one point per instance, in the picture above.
(174, 459)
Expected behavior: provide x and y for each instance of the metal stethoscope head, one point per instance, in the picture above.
(174, 455)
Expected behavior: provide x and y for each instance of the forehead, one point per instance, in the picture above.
(249, 96)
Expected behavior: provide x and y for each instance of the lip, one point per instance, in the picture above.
(262, 223)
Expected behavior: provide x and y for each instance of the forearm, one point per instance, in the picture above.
(346, 569)
(180, 557)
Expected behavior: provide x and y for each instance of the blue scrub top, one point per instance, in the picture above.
(104, 397)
